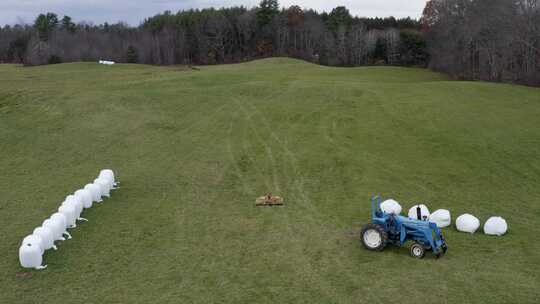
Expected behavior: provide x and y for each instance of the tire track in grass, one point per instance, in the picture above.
(328, 288)
(245, 149)
(238, 170)
(306, 201)
(299, 185)
(267, 148)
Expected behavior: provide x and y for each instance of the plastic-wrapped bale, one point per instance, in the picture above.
(104, 185)
(495, 226)
(441, 217)
(31, 256)
(467, 223)
(95, 190)
(70, 213)
(56, 227)
(59, 217)
(35, 241)
(47, 235)
(85, 196)
(424, 212)
(390, 206)
(77, 204)
(108, 174)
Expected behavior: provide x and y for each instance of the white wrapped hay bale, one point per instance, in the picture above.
(104, 185)
(495, 226)
(95, 190)
(31, 256)
(441, 217)
(110, 181)
(85, 196)
(59, 217)
(47, 236)
(35, 241)
(75, 202)
(56, 227)
(108, 174)
(467, 223)
(390, 206)
(71, 215)
(424, 212)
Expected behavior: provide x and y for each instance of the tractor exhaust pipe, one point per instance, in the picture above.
(418, 213)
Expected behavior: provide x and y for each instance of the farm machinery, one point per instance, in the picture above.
(269, 200)
(395, 229)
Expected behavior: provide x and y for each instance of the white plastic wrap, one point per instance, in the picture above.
(390, 206)
(70, 213)
(31, 256)
(56, 227)
(76, 202)
(85, 196)
(467, 223)
(109, 175)
(47, 236)
(59, 217)
(104, 184)
(424, 212)
(495, 226)
(110, 181)
(35, 241)
(441, 217)
(95, 190)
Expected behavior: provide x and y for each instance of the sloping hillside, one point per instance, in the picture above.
(193, 149)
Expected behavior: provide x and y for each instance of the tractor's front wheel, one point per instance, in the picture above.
(373, 237)
(417, 250)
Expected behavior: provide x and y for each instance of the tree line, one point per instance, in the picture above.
(211, 36)
(496, 40)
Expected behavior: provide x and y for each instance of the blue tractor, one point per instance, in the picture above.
(396, 229)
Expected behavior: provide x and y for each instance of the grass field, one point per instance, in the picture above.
(193, 149)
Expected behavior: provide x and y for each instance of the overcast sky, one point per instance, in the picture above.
(134, 11)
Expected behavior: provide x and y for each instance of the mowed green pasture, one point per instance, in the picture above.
(194, 148)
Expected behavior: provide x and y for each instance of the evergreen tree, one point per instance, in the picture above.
(132, 55)
(68, 25)
(380, 50)
(45, 24)
(267, 10)
(340, 17)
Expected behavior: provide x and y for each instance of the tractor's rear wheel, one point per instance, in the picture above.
(373, 237)
(417, 250)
